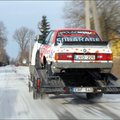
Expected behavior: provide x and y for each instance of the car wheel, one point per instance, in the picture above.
(48, 69)
(38, 63)
(37, 60)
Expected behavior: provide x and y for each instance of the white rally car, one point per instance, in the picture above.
(75, 49)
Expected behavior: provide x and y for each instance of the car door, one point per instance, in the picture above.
(44, 50)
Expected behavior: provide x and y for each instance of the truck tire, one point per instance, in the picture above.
(91, 96)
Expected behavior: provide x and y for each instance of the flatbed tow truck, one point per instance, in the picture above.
(40, 83)
(85, 62)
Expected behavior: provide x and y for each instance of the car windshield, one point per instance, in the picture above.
(77, 37)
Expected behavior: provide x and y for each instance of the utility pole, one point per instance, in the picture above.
(87, 14)
(95, 17)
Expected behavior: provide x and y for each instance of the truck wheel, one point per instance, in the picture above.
(91, 96)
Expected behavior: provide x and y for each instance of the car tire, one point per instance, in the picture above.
(38, 63)
(37, 60)
(48, 69)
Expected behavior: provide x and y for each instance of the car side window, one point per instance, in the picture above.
(48, 38)
(51, 38)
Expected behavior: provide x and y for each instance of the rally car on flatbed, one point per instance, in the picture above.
(75, 49)
(70, 61)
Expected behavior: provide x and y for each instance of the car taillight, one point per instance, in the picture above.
(63, 56)
(103, 56)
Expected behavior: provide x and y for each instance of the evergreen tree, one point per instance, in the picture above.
(44, 27)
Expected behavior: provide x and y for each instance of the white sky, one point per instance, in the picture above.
(15, 14)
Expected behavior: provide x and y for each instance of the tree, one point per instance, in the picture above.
(74, 14)
(23, 36)
(44, 27)
(109, 17)
(108, 11)
(3, 37)
(3, 41)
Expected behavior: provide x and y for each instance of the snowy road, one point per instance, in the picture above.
(16, 101)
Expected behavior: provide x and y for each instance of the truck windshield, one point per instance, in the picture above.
(77, 37)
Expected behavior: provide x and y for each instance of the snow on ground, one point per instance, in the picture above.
(15, 100)
(23, 72)
(17, 103)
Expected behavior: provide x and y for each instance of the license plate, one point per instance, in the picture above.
(84, 57)
(83, 89)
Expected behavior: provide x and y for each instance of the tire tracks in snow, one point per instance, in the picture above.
(59, 109)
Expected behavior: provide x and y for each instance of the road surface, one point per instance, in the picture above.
(16, 102)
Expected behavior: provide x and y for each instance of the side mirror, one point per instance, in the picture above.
(40, 41)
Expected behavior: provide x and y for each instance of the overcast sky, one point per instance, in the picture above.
(15, 14)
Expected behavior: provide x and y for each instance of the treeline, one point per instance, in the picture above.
(109, 18)
(24, 37)
(74, 15)
(108, 13)
(4, 58)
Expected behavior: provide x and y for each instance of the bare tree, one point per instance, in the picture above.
(3, 37)
(108, 13)
(3, 41)
(74, 13)
(23, 36)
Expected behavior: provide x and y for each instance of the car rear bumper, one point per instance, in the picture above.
(66, 65)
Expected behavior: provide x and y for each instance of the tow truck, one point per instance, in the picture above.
(70, 61)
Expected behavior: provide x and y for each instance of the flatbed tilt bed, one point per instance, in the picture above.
(72, 82)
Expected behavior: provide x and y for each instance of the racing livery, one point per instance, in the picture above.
(75, 49)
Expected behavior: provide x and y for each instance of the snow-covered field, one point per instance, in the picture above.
(16, 102)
